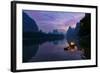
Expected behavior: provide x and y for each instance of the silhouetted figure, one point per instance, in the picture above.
(72, 46)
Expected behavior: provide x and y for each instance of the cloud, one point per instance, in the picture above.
(48, 21)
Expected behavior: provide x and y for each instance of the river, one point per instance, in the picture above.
(49, 51)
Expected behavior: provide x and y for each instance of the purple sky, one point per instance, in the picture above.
(49, 20)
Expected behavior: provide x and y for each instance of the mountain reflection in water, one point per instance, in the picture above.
(49, 51)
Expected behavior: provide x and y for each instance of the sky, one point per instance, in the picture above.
(47, 21)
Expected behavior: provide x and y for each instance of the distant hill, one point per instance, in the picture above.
(72, 33)
(29, 25)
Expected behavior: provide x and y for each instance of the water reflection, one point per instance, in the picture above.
(49, 51)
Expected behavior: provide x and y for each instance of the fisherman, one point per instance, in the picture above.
(72, 47)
